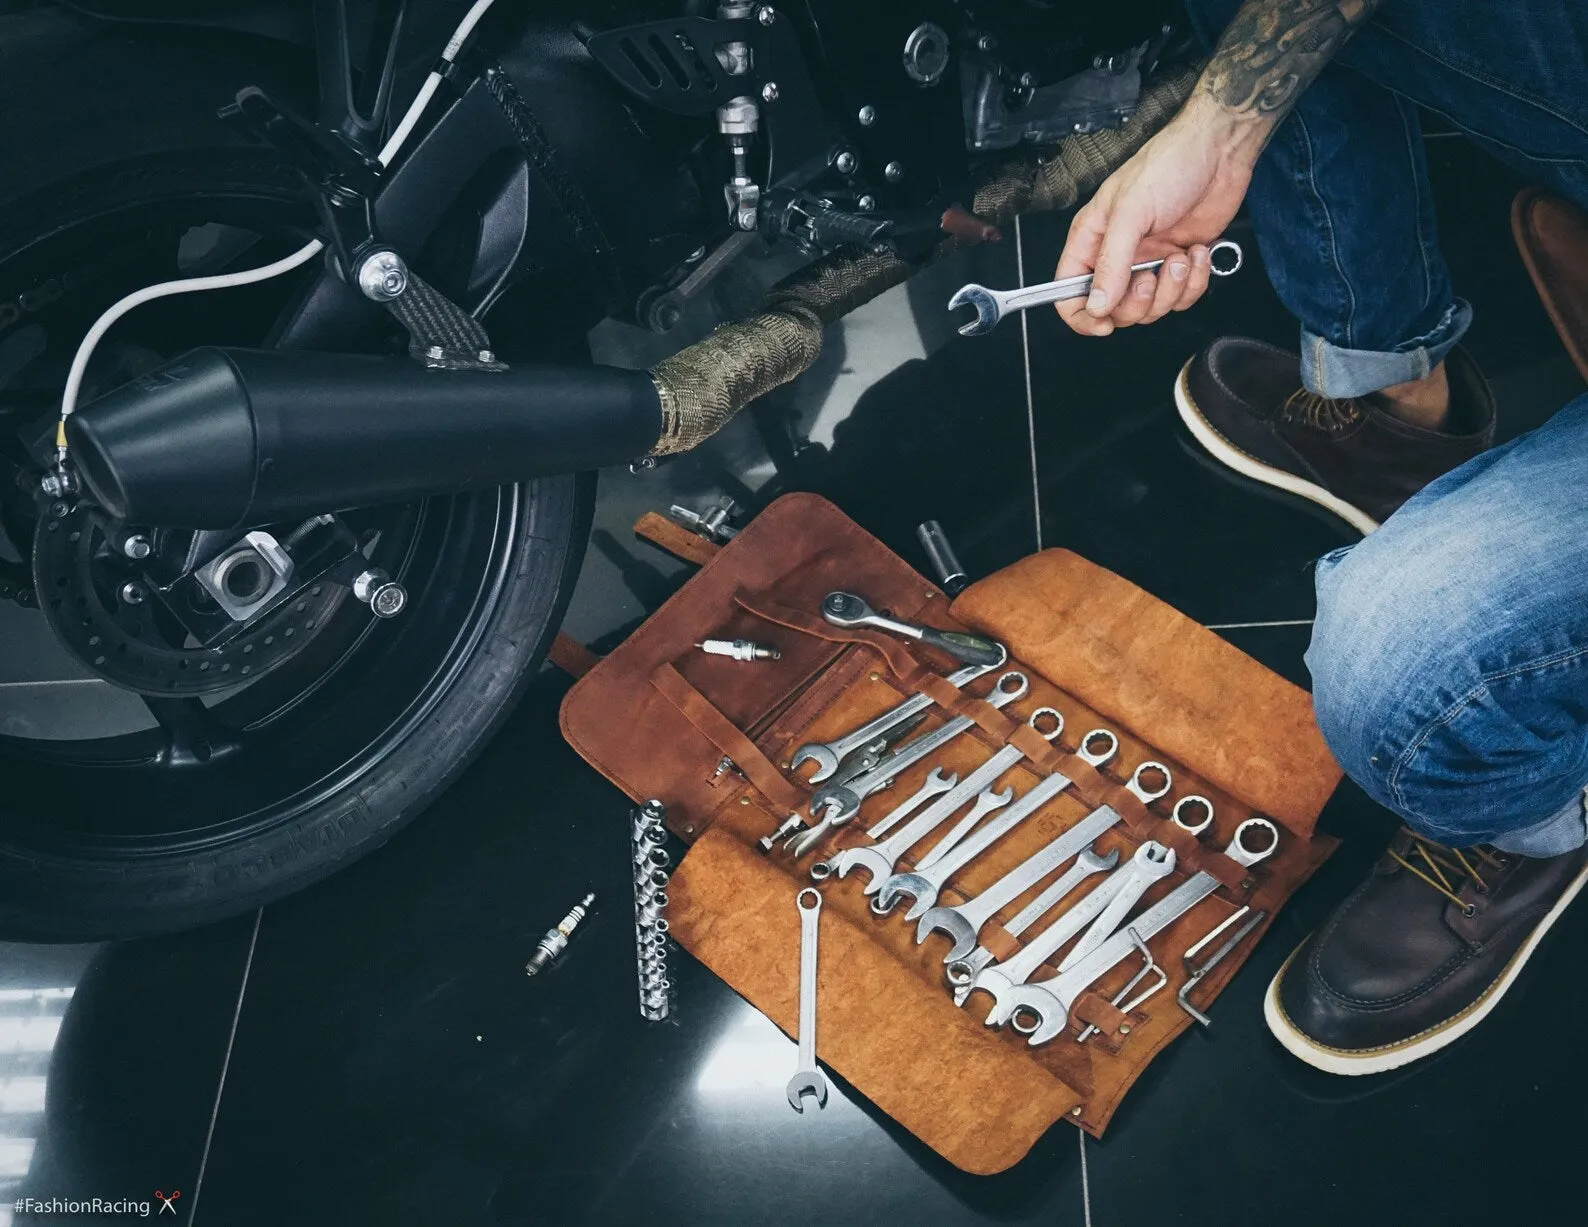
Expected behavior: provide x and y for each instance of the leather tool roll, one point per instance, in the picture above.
(658, 718)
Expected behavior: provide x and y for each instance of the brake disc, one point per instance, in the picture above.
(82, 585)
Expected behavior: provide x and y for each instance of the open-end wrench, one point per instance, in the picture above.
(879, 859)
(808, 1079)
(1151, 863)
(1009, 687)
(827, 755)
(962, 971)
(935, 786)
(987, 801)
(1001, 979)
(1044, 1005)
(992, 305)
(848, 610)
(963, 923)
(801, 839)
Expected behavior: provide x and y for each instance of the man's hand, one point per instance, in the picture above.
(1171, 201)
(1177, 194)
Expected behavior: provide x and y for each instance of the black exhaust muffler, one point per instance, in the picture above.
(232, 438)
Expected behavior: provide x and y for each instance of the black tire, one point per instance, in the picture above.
(113, 142)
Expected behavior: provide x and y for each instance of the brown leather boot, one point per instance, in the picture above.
(1244, 404)
(1418, 955)
(1552, 235)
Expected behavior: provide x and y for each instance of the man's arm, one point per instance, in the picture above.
(1179, 192)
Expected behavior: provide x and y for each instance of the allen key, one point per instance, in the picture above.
(1149, 967)
(1199, 971)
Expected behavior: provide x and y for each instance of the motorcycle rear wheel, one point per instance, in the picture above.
(222, 807)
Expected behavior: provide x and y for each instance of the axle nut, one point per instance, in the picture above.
(385, 597)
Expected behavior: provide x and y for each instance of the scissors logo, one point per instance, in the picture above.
(167, 1203)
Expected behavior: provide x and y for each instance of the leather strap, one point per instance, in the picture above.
(1003, 944)
(571, 656)
(675, 539)
(719, 730)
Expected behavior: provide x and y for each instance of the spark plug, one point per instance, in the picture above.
(739, 649)
(556, 940)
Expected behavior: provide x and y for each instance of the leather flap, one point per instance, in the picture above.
(1146, 666)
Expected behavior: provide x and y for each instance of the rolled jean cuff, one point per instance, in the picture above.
(1339, 373)
(1562, 832)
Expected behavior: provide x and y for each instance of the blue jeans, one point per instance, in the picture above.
(1340, 199)
(1450, 656)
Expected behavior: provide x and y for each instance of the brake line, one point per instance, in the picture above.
(224, 281)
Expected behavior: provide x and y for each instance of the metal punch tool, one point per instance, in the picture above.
(992, 305)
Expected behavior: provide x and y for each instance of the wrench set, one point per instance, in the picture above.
(1098, 927)
(651, 863)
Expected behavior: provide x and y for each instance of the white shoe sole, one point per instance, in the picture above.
(1393, 1056)
(1247, 465)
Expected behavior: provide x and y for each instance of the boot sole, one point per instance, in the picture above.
(1392, 1056)
(1249, 466)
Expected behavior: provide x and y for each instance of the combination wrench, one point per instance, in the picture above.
(935, 786)
(1009, 687)
(808, 1079)
(1000, 980)
(1152, 862)
(847, 610)
(931, 874)
(879, 859)
(992, 305)
(1040, 1010)
(962, 971)
(827, 755)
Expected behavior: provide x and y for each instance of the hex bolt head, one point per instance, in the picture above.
(845, 162)
(383, 276)
(769, 92)
(766, 14)
(867, 116)
(134, 594)
(866, 203)
(893, 171)
(137, 547)
(486, 355)
(435, 353)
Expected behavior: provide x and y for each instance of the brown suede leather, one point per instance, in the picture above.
(1094, 646)
(1552, 236)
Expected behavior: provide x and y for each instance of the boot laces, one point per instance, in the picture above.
(1325, 413)
(1447, 869)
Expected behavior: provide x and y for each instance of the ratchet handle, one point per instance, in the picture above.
(972, 649)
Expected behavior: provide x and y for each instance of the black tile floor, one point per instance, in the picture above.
(370, 1050)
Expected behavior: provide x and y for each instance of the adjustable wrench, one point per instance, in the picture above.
(848, 610)
(962, 971)
(808, 1078)
(1001, 979)
(827, 755)
(1151, 863)
(1009, 687)
(879, 859)
(1048, 1001)
(992, 305)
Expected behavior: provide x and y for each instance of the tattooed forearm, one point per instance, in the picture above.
(1273, 49)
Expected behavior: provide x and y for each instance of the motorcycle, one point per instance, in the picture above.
(297, 422)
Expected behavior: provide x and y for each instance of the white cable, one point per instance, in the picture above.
(224, 281)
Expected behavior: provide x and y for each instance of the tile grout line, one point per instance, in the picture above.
(1247, 626)
(1086, 1181)
(226, 1064)
(1031, 407)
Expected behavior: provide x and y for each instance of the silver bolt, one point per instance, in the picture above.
(52, 485)
(134, 594)
(1028, 80)
(868, 116)
(986, 42)
(845, 162)
(893, 171)
(766, 15)
(866, 203)
(137, 547)
(486, 355)
(385, 597)
(383, 276)
(769, 92)
(435, 353)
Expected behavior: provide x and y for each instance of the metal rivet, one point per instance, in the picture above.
(1124, 1028)
(766, 15)
(876, 677)
(1076, 1110)
(769, 92)
(845, 162)
(868, 116)
(744, 800)
(893, 171)
(867, 203)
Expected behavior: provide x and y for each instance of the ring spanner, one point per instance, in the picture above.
(808, 1079)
